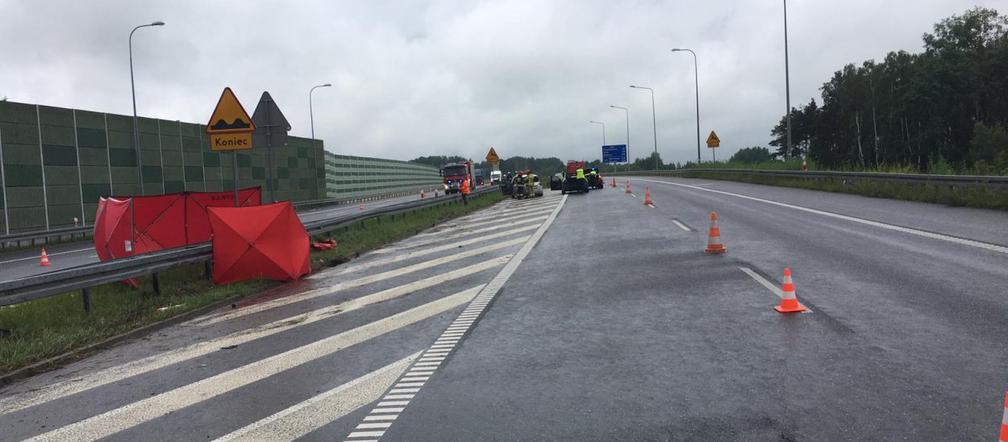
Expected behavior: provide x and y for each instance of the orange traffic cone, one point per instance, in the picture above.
(1004, 422)
(789, 303)
(44, 262)
(628, 187)
(613, 182)
(714, 237)
(647, 195)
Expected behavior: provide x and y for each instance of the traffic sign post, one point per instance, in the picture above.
(230, 130)
(492, 158)
(713, 142)
(615, 153)
(271, 130)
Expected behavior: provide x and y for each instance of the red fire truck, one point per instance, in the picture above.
(453, 174)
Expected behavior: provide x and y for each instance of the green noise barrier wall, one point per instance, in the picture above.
(56, 163)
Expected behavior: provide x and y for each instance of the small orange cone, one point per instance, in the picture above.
(44, 262)
(647, 195)
(714, 237)
(789, 303)
(1004, 422)
(628, 187)
(613, 182)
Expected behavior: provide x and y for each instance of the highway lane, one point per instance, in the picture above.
(635, 334)
(597, 318)
(299, 360)
(25, 262)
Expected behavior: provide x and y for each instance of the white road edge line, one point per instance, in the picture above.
(489, 291)
(304, 417)
(922, 233)
(153, 407)
(769, 285)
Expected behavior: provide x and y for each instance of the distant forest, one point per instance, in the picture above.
(945, 108)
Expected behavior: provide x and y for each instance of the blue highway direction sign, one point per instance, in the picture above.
(616, 153)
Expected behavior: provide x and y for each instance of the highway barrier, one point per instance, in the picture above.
(918, 178)
(88, 276)
(84, 232)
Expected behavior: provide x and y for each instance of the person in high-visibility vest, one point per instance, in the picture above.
(464, 190)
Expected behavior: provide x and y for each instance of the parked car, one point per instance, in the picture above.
(556, 181)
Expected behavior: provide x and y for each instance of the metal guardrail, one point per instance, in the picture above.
(88, 276)
(84, 231)
(948, 180)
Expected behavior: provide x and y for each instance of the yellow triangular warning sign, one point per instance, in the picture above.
(713, 140)
(229, 116)
(492, 157)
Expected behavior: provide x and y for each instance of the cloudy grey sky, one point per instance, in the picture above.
(456, 76)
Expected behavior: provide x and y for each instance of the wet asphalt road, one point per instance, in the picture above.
(25, 262)
(614, 325)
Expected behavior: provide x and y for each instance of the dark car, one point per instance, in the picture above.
(556, 181)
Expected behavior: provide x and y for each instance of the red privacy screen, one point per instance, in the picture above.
(152, 223)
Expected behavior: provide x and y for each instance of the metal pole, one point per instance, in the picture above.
(311, 117)
(654, 127)
(136, 127)
(269, 155)
(696, 85)
(627, 112)
(234, 156)
(787, 85)
(603, 130)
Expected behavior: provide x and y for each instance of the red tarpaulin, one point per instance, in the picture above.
(258, 242)
(160, 221)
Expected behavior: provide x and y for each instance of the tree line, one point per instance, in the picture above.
(944, 109)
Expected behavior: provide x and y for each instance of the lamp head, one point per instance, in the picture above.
(157, 23)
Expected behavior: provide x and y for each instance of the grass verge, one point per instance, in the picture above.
(966, 196)
(36, 331)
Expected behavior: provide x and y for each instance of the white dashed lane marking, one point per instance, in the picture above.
(428, 363)
(922, 233)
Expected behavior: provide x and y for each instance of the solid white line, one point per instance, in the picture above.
(228, 315)
(415, 267)
(769, 285)
(318, 411)
(155, 361)
(65, 252)
(495, 284)
(681, 225)
(922, 233)
(136, 413)
(356, 267)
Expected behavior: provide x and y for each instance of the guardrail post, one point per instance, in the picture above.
(157, 282)
(86, 295)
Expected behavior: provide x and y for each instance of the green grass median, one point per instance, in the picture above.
(952, 195)
(37, 331)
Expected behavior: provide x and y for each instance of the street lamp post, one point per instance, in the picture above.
(603, 130)
(136, 127)
(787, 86)
(625, 110)
(311, 120)
(654, 122)
(696, 85)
